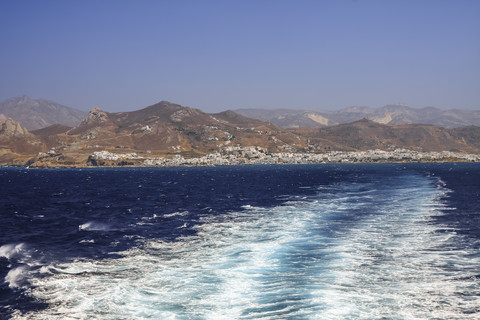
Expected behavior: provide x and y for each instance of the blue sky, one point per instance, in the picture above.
(218, 55)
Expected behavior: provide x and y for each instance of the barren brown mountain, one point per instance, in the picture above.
(166, 128)
(367, 135)
(161, 130)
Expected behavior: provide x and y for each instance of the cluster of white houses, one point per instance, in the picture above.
(256, 155)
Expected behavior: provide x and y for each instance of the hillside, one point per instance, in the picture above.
(166, 127)
(161, 130)
(390, 114)
(369, 135)
(35, 114)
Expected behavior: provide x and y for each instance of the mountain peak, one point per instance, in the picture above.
(96, 115)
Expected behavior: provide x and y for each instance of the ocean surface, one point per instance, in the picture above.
(359, 241)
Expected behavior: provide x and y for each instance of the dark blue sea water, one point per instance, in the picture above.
(369, 241)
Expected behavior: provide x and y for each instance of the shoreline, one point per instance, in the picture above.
(236, 156)
(228, 165)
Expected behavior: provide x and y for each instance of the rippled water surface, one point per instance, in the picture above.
(379, 241)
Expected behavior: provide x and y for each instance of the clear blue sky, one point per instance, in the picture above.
(218, 55)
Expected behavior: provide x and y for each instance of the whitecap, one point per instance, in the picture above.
(93, 226)
(16, 277)
(87, 241)
(250, 207)
(176, 214)
(12, 250)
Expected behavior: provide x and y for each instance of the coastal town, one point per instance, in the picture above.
(256, 155)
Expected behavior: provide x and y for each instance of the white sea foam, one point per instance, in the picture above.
(87, 241)
(176, 214)
(22, 261)
(11, 250)
(93, 226)
(300, 260)
(16, 277)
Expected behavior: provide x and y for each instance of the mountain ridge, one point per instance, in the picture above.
(36, 114)
(389, 114)
(364, 134)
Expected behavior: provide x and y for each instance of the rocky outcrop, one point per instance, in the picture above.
(96, 115)
(182, 114)
(96, 121)
(17, 144)
(11, 128)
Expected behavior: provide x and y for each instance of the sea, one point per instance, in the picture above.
(333, 241)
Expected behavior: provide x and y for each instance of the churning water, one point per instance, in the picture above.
(384, 241)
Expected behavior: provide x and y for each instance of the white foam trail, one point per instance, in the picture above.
(300, 260)
(393, 266)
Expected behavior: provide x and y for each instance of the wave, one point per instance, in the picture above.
(12, 250)
(94, 226)
(23, 262)
(16, 278)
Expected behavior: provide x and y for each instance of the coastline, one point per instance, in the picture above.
(234, 156)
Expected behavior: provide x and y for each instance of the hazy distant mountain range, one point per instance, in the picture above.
(390, 114)
(39, 113)
(167, 129)
(35, 114)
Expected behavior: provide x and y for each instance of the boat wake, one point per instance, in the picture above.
(363, 250)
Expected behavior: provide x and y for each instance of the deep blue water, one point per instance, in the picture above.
(369, 241)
